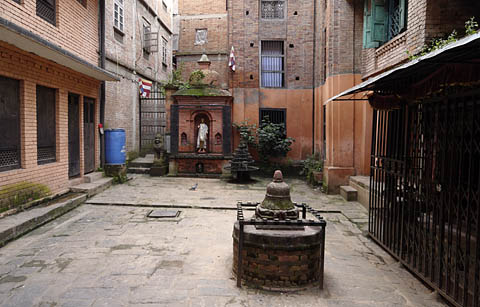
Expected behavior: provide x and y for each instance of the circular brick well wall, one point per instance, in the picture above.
(278, 259)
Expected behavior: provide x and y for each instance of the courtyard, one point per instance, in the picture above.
(107, 252)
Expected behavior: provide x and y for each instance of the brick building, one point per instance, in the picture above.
(138, 45)
(49, 92)
(425, 131)
(201, 27)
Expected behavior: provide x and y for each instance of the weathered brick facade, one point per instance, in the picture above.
(75, 31)
(127, 59)
(426, 20)
(210, 15)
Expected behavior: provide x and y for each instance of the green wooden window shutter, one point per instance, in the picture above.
(367, 26)
(379, 20)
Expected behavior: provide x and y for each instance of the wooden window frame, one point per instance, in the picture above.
(6, 121)
(118, 15)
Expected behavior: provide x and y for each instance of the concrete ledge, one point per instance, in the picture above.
(19, 224)
(93, 188)
(348, 193)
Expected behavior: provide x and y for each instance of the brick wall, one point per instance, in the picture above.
(426, 19)
(247, 32)
(76, 29)
(197, 7)
(126, 59)
(32, 70)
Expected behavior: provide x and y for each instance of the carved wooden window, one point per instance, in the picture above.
(46, 132)
(46, 9)
(118, 14)
(273, 9)
(9, 124)
(273, 64)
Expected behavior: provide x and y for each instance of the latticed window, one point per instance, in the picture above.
(383, 20)
(9, 123)
(273, 9)
(46, 9)
(118, 14)
(46, 134)
(272, 64)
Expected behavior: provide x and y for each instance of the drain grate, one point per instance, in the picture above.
(163, 214)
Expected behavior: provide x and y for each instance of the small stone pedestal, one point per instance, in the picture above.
(275, 249)
(279, 259)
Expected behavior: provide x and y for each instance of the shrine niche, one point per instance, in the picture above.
(201, 128)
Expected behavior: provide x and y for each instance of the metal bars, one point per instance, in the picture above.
(46, 9)
(152, 118)
(425, 191)
(9, 124)
(46, 125)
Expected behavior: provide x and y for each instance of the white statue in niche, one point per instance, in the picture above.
(202, 137)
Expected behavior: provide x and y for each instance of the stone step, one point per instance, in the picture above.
(89, 178)
(348, 193)
(14, 226)
(140, 164)
(138, 170)
(93, 188)
(362, 185)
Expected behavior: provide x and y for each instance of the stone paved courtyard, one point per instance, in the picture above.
(116, 256)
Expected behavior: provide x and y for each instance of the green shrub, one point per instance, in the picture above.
(312, 164)
(272, 140)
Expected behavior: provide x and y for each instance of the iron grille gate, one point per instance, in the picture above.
(425, 191)
(152, 118)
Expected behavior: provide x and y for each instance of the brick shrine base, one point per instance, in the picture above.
(278, 260)
(188, 164)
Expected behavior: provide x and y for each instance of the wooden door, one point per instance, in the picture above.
(89, 134)
(73, 136)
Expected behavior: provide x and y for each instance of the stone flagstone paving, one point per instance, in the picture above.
(116, 256)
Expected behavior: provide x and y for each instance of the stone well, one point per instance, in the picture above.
(286, 254)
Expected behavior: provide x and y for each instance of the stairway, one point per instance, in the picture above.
(141, 165)
(357, 190)
(92, 184)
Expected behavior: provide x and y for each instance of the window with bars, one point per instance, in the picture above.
(275, 116)
(9, 124)
(118, 14)
(273, 9)
(164, 51)
(272, 64)
(46, 9)
(46, 132)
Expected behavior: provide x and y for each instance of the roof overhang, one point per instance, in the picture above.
(31, 42)
(464, 51)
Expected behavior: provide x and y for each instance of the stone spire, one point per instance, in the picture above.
(277, 202)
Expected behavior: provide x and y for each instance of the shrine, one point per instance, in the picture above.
(201, 126)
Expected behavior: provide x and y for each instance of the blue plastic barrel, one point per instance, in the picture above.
(115, 152)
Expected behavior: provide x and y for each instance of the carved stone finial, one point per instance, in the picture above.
(277, 202)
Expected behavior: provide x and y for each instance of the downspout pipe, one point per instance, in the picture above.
(101, 24)
(314, 72)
